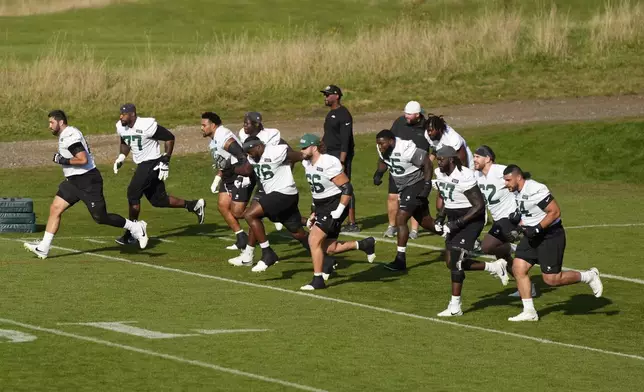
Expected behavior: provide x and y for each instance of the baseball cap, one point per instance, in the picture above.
(251, 141)
(309, 140)
(485, 151)
(332, 89)
(128, 108)
(446, 152)
(413, 107)
(255, 117)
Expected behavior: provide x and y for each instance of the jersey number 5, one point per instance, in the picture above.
(130, 139)
(396, 168)
(313, 180)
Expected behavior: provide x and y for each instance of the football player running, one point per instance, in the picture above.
(331, 191)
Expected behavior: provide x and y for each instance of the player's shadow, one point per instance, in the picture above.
(372, 221)
(207, 229)
(132, 249)
(502, 298)
(580, 304)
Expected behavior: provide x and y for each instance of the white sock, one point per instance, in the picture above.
(357, 245)
(264, 245)
(317, 274)
(46, 242)
(249, 249)
(456, 300)
(586, 276)
(128, 225)
(402, 249)
(528, 305)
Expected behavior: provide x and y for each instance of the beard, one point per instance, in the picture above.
(387, 153)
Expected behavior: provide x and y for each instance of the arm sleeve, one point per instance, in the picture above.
(346, 130)
(545, 196)
(162, 134)
(76, 148)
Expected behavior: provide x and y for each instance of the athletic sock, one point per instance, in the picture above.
(456, 300)
(45, 244)
(528, 305)
(586, 276)
(129, 225)
(264, 245)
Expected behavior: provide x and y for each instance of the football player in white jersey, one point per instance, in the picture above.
(411, 170)
(439, 134)
(331, 191)
(226, 151)
(460, 201)
(83, 182)
(279, 201)
(141, 135)
(543, 243)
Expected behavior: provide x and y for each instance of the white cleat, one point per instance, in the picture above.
(245, 259)
(525, 316)
(33, 248)
(232, 247)
(261, 266)
(371, 258)
(501, 271)
(278, 226)
(200, 210)
(451, 311)
(140, 233)
(533, 292)
(596, 283)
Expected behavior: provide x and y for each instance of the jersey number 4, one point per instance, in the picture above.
(130, 139)
(263, 172)
(523, 211)
(313, 180)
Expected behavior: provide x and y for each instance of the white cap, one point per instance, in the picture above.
(413, 107)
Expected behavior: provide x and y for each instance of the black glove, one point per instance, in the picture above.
(61, 160)
(532, 231)
(515, 217)
(455, 225)
(440, 218)
(426, 190)
(377, 178)
(165, 159)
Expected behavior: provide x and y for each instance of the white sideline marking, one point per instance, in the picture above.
(95, 241)
(162, 355)
(606, 225)
(431, 247)
(16, 336)
(162, 240)
(91, 239)
(220, 331)
(123, 327)
(356, 304)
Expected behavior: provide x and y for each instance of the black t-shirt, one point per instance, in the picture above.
(338, 132)
(415, 132)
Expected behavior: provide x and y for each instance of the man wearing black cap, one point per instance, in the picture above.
(141, 135)
(460, 201)
(338, 139)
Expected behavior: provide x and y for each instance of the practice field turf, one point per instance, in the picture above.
(209, 326)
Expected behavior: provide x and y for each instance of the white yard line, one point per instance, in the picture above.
(431, 247)
(162, 355)
(356, 304)
(95, 241)
(605, 225)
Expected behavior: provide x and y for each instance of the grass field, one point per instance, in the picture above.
(370, 330)
(274, 56)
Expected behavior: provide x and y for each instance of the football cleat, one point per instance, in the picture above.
(200, 210)
(396, 265)
(350, 228)
(329, 264)
(500, 270)
(316, 284)
(245, 259)
(368, 246)
(413, 234)
(390, 232)
(140, 233)
(261, 266)
(33, 248)
(126, 239)
(279, 226)
(525, 316)
(596, 283)
(452, 310)
(533, 293)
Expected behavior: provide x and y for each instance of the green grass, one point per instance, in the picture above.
(320, 343)
(274, 56)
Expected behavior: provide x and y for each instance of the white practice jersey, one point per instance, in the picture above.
(320, 176)
(404, 163)
(268, 136)
(68, 137)
(498, 198)
(453, 139)
(139, 138)
(532, 200)
(273, 171)
(453, 187)
(222, 158)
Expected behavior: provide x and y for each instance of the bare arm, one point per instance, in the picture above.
(124, 148)
(294, 156)
(552, 213)
(475, 197)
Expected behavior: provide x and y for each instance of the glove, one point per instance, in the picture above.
(532, 231)
(426, 190)
(310, 222)
(438, 223)
(242, 182)
(163, 167)
(61, 160)
(337, 213)
(118, 163)
(214, 188)
(377, 178)
(515, 217)
(455, 225)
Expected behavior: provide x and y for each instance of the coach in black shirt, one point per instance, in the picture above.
(338, 139)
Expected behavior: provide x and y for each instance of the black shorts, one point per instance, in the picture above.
(282, 208)
(547, 250)
(241, 195)
(87, 187)
(467, 236)
(259, 192)
(323, 209)
(145, 181)
(393, 189)
(418, 208)
(502, 229)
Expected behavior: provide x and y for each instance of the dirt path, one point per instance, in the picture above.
(189, 139)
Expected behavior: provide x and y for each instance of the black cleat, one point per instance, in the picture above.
(328, 267)
(316, 284)
(350, 228)
(126, 239)
(242, 241)
(396, 265)
(368, 246)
